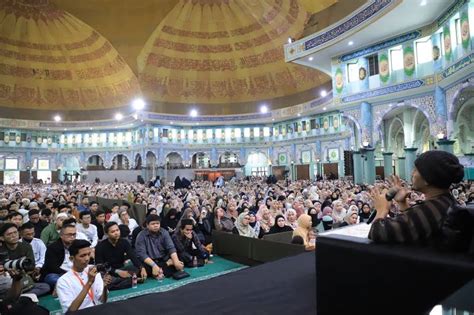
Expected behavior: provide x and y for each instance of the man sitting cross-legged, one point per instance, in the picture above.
(184, 239)
(82, 286)
(156, 249)
(121, 257)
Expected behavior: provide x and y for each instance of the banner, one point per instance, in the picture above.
(339, 80)
(408, 60)
(465, 35)
(384, 69)
(436, 51)
(448, 49)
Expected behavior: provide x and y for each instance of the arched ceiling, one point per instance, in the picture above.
(225, 52)
(83, 57)
(51, 60)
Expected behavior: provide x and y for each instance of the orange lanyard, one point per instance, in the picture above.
(90, 292)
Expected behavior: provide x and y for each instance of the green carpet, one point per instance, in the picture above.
(219, 267)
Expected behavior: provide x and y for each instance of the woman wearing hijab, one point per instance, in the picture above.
(350, 218)
(313, 213)
(280, 225)
(255, 224)
(170, 220)
(291, 218)
(242, 226)
(303, 231)
(221, 221)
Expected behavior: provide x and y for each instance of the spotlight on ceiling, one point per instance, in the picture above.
(310, 58)
(290, 40)
(423, 3)
(193, 113)
(323, 93)
(324, 108)
(138, 104)
(264, 109)
(118, 116)
(57, 118)
(350, 43)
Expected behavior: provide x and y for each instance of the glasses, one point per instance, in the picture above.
(70, 234)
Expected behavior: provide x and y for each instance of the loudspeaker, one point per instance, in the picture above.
(348, 163)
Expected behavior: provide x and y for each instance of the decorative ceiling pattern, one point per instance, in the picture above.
(225, 51)
(50, 60)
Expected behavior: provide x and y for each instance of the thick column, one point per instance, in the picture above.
(401, 168)
(410, 156)
(446, 145)
(387, 164)
(369, 165)
(366, 120)
(357, 159)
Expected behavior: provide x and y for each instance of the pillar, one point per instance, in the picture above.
(292, 171)
(401, 168)
(357, 159)
(410, 156)
(366, 123)
(446, 145)
(387, 164)
(369, 165)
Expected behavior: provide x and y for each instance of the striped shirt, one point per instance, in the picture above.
(421, 222)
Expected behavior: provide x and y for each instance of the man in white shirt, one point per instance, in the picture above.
(27, 233)
(82, 286)
(124, 218)
(87, 228)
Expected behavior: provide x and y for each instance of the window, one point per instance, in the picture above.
(237, 133)
(247, 132)
(353, 72)
(424, 50)
(259, 171)
(396, 58)
(43, 164)
(373, 62)
(266, 132)
(11, 164)
(218, 134)
(457, 23)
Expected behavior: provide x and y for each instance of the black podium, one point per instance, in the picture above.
(357, 276)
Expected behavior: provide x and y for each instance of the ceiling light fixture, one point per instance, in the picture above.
(118, 116)
(57, 118)
(138, 104)
(193, 113)
(264, 109)
(323, 93)
(423, 3)
(310, 58)
(350, 43)
(324, 108)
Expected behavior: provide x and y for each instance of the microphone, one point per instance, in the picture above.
(372, 217)
(391, 193)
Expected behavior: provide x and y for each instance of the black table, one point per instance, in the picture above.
(357, 276)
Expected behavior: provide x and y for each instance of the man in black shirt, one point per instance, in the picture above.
(34, 218)
(115, 251)
(99, 222)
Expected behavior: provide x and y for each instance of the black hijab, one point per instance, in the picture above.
(276, 229)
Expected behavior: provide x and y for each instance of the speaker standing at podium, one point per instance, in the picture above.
(432, 175)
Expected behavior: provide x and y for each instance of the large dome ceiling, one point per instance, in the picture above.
(226, 53)
(82, 58)
(51, 61)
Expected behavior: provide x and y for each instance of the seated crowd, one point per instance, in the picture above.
(80, 251)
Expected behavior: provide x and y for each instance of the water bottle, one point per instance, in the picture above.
(134, 281)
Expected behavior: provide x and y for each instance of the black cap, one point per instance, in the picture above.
(439, 168)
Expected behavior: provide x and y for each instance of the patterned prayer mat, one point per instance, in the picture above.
(220, 266)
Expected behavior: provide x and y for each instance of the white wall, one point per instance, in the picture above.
(109, 176)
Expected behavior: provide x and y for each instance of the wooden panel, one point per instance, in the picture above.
(54, 177)
(379, 172)
(1, 177)
(331, 169)
(24, 177)
(302, 171)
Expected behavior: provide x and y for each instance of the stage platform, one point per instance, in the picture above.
(285, 286)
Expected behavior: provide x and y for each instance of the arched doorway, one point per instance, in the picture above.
(229, 160)
(257, 164)
(94, 163)
(174, 160)
(150, 165)
(138, 161)
(120, 162)
(200, 160)
(464, 126)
